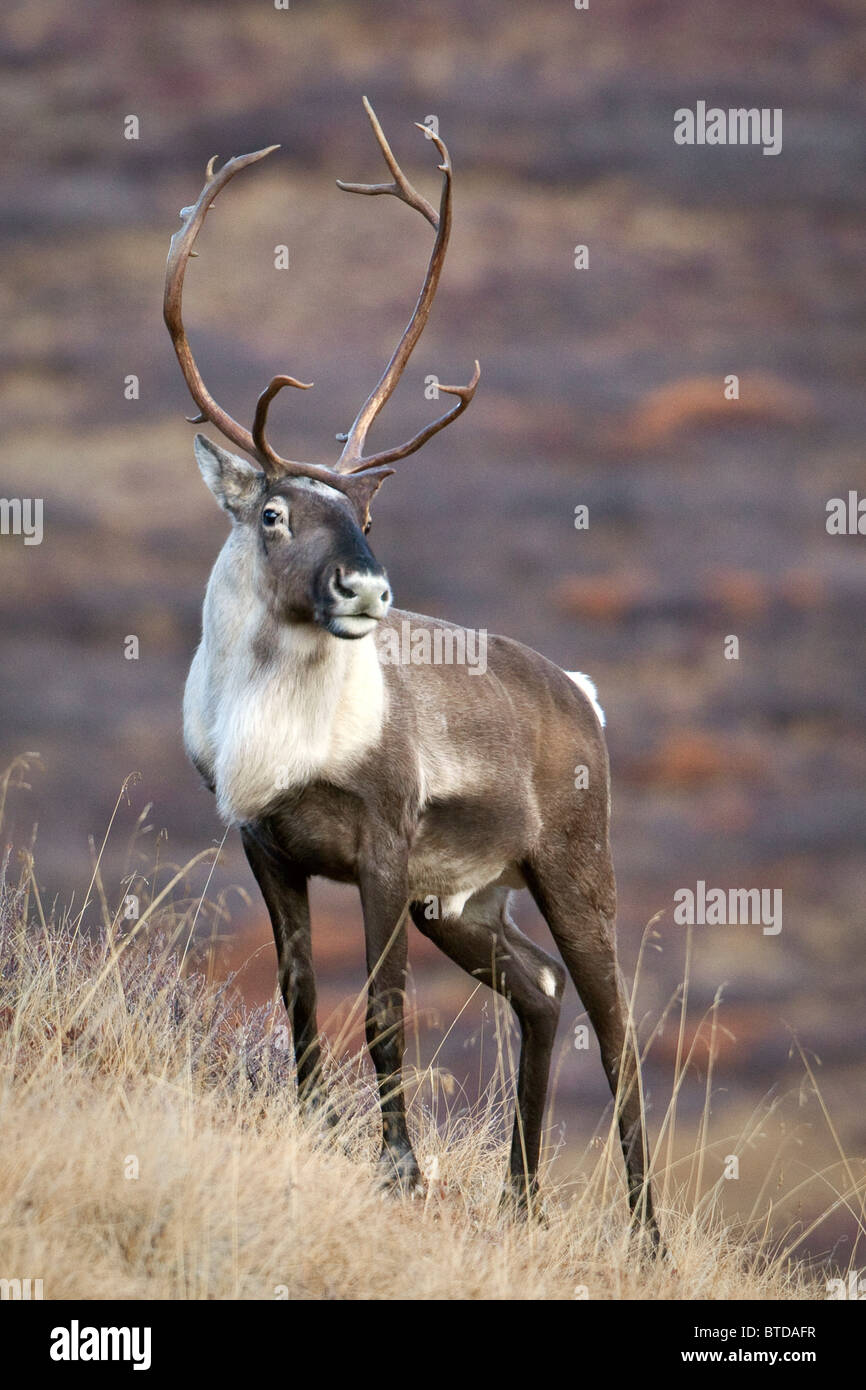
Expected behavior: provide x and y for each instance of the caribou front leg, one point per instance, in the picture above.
(385, 902)
(285, 893)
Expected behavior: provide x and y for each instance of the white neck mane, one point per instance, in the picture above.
(270, 708)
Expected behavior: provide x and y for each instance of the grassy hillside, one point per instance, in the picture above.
(600, 387)
(153, 1147)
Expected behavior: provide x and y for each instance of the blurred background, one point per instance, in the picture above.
(601, 387)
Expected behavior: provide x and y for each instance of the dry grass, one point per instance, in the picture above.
(152, 1148)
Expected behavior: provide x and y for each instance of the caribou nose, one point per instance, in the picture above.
(361, 591)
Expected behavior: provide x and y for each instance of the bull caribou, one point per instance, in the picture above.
(421, 783)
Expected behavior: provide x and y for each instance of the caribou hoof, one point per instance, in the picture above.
(522, 1204)
(316, 1105)
(399, 1174)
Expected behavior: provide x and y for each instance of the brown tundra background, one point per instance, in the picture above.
(601, 387)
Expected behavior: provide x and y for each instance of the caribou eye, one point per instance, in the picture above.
(270, 516)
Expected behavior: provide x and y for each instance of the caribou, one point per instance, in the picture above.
(422, 783)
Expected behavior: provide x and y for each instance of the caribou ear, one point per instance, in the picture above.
(363, 488)
(235, 484)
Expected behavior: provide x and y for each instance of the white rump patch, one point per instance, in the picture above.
(547, 982)
(586, 685)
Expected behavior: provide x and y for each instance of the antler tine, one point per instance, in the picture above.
(403, 450)
(180, 251)
(401, 187)
(352, 458)
(262, 448)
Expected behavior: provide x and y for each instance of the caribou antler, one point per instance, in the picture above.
(352, 459)
(254, 441)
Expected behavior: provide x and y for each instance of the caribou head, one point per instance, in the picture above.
(304, 525)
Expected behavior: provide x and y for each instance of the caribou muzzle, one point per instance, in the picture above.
(355, 601)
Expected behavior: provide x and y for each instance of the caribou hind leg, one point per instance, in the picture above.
(487, 944)
(582, 923)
